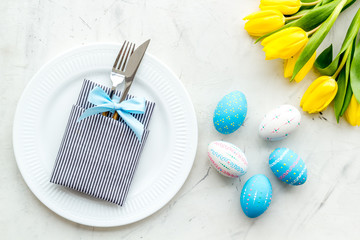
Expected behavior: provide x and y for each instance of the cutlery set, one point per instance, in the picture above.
(125, 67)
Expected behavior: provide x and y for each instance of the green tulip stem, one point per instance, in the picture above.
(343, 61)
(294, 17)
(313, 31)
(309, 4)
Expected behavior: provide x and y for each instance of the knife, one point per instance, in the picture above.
(131, 69)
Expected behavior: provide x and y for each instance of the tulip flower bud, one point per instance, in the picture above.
(262, 22)
(319, 94)
(287, 7)
(352, 113)
(285, 43)
(290, 64)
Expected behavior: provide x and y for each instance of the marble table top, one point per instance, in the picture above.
(205, 44)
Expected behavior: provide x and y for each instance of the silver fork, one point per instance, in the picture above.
(117, 74)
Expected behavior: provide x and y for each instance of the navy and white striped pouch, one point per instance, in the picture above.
(98, 156)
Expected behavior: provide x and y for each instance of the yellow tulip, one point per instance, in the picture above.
(287, 7)
(285, 43)
(352, 113)
(262, 22)
(319, 94)
(290, 64)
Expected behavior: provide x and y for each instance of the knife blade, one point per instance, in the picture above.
(135, 60)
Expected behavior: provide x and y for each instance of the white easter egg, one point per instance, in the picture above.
(279, 123)
(227, 159)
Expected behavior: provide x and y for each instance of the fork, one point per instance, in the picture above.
(117, 74)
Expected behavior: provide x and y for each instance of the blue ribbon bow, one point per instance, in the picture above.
(103, 103)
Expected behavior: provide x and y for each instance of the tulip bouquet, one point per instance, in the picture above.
(293, 30)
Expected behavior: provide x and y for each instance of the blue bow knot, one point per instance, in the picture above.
(103, 103)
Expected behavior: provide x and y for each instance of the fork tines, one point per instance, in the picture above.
(123, 56)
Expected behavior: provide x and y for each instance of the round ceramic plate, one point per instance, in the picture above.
(42, 114)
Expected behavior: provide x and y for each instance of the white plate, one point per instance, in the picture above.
(40, 120)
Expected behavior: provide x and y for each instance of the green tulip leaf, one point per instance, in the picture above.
(326, 67)
(355, 73)
(349, 92)
(342, 82)
(317, 38)
(347, 99)
(324, 59)
(348, 5)
(326, 1)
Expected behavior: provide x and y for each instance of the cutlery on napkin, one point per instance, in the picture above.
(117, 74)
(131, 69)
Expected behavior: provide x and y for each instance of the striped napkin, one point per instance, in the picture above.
(98, 156)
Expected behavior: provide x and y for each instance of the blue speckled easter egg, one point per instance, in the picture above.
(288, 166)
(256, 196)
(230, 112)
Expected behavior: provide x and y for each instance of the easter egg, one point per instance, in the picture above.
(279, 123)
(230, 112)
(288, 166)
(227, 159)
(256, 195)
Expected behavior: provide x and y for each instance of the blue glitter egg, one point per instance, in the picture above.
(288, 166)
(230, 112)
(256, 196)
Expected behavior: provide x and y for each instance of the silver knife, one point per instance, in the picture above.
(131, 69)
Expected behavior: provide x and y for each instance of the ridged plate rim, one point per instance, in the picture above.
(64, 203)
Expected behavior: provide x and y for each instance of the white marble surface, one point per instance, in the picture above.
(204, 43)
